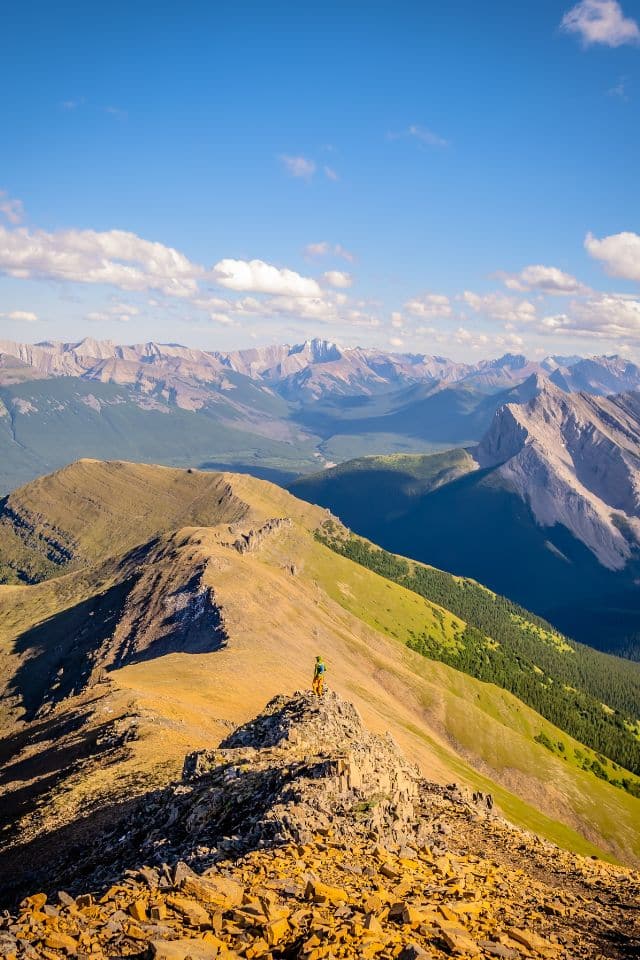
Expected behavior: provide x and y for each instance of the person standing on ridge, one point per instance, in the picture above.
(318, 677)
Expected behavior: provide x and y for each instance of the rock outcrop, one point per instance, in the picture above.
(251, 539)
(304, 836)
(305, 764)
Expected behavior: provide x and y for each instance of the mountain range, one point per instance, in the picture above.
(313, 370)
(277, 411)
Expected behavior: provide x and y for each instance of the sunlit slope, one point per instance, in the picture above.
(93, 509)
(454, 726)
(280, 602)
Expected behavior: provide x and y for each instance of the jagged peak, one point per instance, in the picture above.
(318, 350)
(513, 360)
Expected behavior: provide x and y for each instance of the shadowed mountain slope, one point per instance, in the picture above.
(551, 518)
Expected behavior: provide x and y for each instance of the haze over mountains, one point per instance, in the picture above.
(278, 411)
(314, 369)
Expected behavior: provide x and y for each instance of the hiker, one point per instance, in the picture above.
(318, 677)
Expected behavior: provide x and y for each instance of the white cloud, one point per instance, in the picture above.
(429, 306)
(338, 278)
(21, 316)
(422, 134)
(497, 306)
(256, 276)
(620, 253)
(124, 308)
(428, 332)
(224, 319)
(131, 264)
(396, 341)
(601, 21)
(102, 316)
(300, 167)
(508, 341)
(86, 256)
(545, 279)
(120, 312)
(330, 173)
(397, 320)
(462, 335)
(607, 317)
(326, 249)
(10, 208)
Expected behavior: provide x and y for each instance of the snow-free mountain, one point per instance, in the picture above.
(313, 369)
(546, 508)
(278, 411)
(575, 460)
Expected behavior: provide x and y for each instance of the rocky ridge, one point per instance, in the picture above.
(304, 836)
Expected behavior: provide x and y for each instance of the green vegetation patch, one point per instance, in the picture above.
(503, 644)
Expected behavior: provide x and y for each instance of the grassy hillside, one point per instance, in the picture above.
(46, 424)
(592, 696)
(370, 492)
(131, 621)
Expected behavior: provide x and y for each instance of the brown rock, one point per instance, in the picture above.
(460, 944)
(323, 893)
(533, 942)
(413, 951)
(498, 950)
(183, 949)
(61, 941)
(36, 901)
(372, 925)
(276, 930)
(138, 910)
(190, 909)
(213, 889)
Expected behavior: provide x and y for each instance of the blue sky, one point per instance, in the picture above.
(448, 178)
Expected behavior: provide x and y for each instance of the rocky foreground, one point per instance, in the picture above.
(304, 836)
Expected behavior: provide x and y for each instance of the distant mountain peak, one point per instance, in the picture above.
(513, 360)
(318, 351)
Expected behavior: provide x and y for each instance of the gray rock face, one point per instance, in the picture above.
(575, 459)
(305, 764)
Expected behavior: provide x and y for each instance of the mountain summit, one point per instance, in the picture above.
(575, 459)
(305, 836)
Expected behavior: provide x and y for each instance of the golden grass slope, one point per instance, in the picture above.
(282, 603)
